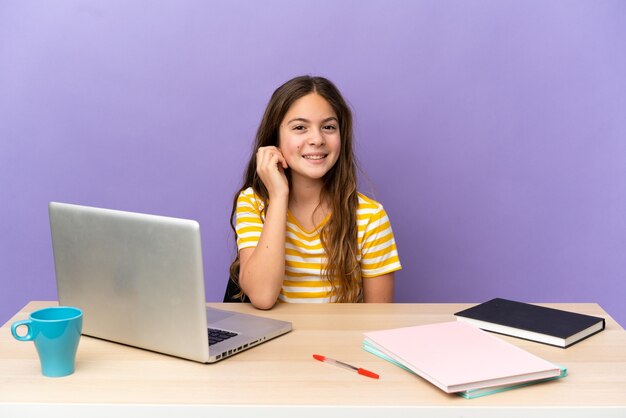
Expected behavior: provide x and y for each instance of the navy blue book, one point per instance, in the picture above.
(532, 322)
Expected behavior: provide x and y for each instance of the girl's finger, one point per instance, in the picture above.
(281, 159)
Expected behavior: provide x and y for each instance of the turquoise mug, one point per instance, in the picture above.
(56, 333)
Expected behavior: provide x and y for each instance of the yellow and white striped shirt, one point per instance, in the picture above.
(304, 255)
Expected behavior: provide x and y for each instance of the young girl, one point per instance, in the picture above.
(303, 231)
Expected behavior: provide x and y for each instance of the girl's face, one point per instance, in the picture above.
(309, 137)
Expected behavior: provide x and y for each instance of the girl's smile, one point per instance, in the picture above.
(315, 158)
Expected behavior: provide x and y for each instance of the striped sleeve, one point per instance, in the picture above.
(379, 254)
(248, 219)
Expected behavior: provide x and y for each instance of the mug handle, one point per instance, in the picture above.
(26, 323)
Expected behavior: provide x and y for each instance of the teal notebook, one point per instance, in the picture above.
(467, 394)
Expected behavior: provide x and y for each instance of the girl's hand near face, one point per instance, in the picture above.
(270, 166)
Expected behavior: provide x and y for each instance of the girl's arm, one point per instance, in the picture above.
(378, 289)
(262, 268)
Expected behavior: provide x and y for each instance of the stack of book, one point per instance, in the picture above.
(461, 358)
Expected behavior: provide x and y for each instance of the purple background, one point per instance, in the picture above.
(494, 132)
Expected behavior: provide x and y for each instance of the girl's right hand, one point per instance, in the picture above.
(270, 166)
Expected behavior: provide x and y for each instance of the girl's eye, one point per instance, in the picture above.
(330, 128)
(299, 128)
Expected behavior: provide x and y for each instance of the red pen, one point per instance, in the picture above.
(346, 366)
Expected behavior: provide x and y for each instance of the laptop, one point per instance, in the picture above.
(139, 280)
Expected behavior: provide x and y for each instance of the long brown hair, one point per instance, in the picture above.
(339, 235)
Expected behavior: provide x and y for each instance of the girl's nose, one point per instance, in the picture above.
(316, 138)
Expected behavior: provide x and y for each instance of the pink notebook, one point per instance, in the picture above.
(456, 356)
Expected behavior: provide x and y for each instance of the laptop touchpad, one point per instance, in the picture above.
(214, 315)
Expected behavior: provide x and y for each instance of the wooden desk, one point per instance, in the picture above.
(280, 378)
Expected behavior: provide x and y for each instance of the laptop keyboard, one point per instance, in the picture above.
(219, 335)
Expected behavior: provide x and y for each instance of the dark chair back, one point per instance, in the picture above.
(231, 290)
